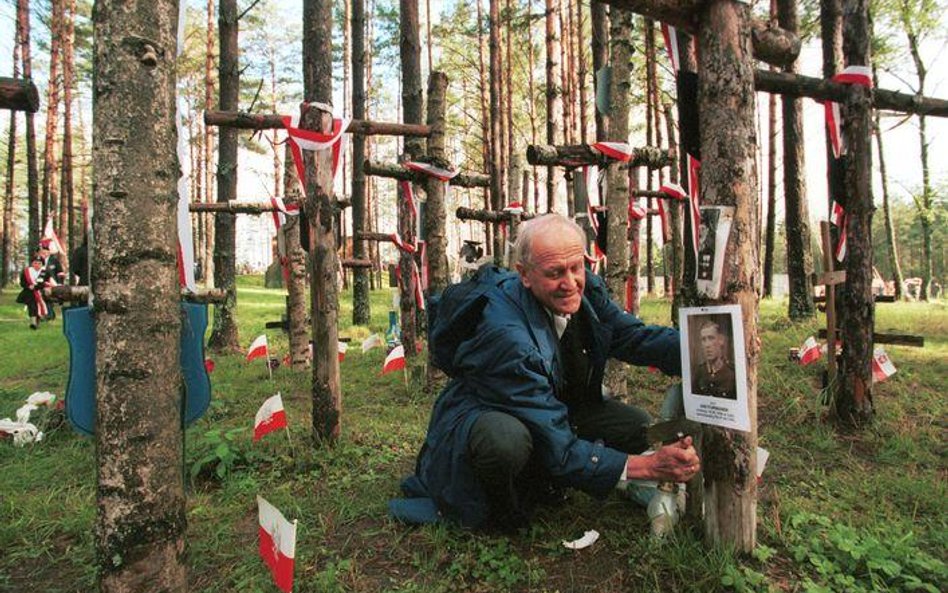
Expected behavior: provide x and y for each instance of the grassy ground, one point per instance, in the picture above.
(837, 512)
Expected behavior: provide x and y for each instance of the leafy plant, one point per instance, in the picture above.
(218, 453)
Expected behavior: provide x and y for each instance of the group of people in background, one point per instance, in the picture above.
(44, 270)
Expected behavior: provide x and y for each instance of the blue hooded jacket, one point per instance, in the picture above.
(498, 345)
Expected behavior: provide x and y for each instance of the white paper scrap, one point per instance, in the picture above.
(588, 539)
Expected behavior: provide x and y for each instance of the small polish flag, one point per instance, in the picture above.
(277, 544)
(343, 348)
(838, 215)
(258, 349)
(882, 367)
(395, 360)
(430, 170)
(271, 416)
(810, 351)
(673, 190)
(514, 207)
(841, 246)
(620, 151)
(636, 212)
(372, 341)
(49, 234)
(671, 45)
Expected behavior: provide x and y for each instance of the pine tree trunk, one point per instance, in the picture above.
(297, 313)
(650, 126)
(796, 204)
(599, 25)
(582, 73)
(854, 394)
(324, 291)
(689, 143)
(361, 311)
(207, 220)
(9, 227)
(141, 519)
(622, 263)
(770, 232)
(50, 196)
(224, 336)
(925, 204)
(486, 136)
(534, 127)
(674, 218)
(414, 109)
(897, 279)
(495, 75)
(729, 178)
(32, 180)
(436, 215)
(554, 104)
(65, 226)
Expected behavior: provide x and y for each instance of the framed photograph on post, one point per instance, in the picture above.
(712, 241)
(714, 366)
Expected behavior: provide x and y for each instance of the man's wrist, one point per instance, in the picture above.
(638, 467)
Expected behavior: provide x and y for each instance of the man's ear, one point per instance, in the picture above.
(522, 271)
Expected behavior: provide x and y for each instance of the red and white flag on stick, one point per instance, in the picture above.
(431, 170)
(271, 416)
(373, 341)
(259, 348)
(395, 360)
(882, 367)
(277, 544)
(343, 348)
(49, 234)
(810, 351)
(620, 151)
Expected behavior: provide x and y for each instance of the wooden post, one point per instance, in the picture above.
(830, 306)
(728, 144)
(296, 259)
(584, 154)
(438, 270)
(320, 215)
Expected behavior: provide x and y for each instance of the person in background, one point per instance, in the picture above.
(33, 281)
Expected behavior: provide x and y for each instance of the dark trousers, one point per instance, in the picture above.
(500, 448)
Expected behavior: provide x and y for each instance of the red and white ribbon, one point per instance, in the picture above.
(859, 75)
(309, 140)
(663, 216)
(671, 46)
(674, 191)
(431, 170)
(838, 218)
(694, 190)
(636, 212)
(402, 244)
(620, 151)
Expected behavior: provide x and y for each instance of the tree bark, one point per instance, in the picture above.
(414, 109)
(498, 188)
(320, 214)
(50, 197)
(674, 216)
(17, 94)
(599, 25)
(886, 211)
(224, 336)
(361, 310)
(729, 178)
(924, 205)
(770, 232)
(797, 212)
(435, 215)
(856, 308)
(297, 313)
(622, 266)
(141, 519)
(8, 245)
(207, 222)
(32, 179)
(581, 73)
(584, 154)
(65, 226)
(554, 104)
(651, 125)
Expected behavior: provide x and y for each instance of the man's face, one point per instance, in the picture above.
(556, 275)
(37, 264)
(43, 252)
(712, 343)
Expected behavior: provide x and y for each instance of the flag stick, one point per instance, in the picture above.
(290, 441)
(269, 368)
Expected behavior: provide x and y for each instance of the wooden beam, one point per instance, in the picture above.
(80, 294)
(18, 94)
(545, 155)
(395, 171)
(829, 278)
(380, 237)
(897, 339)
(463, 213)
(796, 85)
(771, 44)
(271, 121)
(231, 207)
(357, 263)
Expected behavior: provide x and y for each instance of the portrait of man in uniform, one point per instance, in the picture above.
(712, 357)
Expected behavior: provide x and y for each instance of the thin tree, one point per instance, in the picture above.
(599, 21)
(897, 279)
(66, 193)
(495, 75)
(141, 516)
(207, 220)
(32, 175)
(225, 336)
(486, 135)
(796, 209)
(361, 311)
(8, 195)
(554, 103)
(50, 196)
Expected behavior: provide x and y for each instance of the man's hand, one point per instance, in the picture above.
(677, 462)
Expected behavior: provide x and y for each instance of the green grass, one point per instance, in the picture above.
(858, 511)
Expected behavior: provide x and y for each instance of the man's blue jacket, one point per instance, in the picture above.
(498, 345)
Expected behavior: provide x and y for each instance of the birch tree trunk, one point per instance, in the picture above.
(141, 519)
(224, 336)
